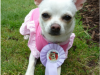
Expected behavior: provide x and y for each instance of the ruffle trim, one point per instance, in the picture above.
(32, 43)
(71, 40)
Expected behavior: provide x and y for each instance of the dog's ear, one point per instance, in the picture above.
(37, 2)
(79, 3)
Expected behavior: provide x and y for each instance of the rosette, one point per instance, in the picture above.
(52, 56)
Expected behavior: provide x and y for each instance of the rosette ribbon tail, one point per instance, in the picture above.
(51, 68)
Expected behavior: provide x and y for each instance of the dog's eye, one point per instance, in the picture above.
(45, 15)
(66, 17)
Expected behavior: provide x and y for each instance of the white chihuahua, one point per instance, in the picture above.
(56, 24)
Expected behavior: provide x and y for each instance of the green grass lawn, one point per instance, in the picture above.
(82, 59)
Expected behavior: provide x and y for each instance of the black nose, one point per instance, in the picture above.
(55, 29)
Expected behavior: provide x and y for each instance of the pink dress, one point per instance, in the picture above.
(36, 40)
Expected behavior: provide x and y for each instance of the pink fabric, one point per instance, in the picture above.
(36, 41)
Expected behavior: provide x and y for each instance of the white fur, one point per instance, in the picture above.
(31, 66)
(63, 7)
(56, 8)
(26, 37)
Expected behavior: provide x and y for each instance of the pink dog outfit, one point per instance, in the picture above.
(36, 40)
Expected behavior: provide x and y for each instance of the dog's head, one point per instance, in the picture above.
(57, 18)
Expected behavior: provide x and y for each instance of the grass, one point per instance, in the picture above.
(82, 59)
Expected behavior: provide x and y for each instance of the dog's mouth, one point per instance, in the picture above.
(54, 33)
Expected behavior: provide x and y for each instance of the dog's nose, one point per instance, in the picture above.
(55, 29)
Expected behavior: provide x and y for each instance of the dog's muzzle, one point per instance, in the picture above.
(55, 29)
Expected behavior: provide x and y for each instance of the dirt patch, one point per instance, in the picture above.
(92, 63)
(13, 38)
(90, 14)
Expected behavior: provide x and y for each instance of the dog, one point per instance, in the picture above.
(56, 21)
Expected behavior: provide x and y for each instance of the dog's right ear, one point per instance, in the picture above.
(37, 2)
(79, 3)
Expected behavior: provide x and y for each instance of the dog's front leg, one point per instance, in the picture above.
(59, 70)
(31, 65)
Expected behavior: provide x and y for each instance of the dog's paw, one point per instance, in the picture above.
(29, 73)
(26, 37)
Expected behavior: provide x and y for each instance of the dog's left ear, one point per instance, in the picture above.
(37, 2)
(79, 3)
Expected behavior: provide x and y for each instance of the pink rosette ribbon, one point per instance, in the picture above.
(52, 56)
